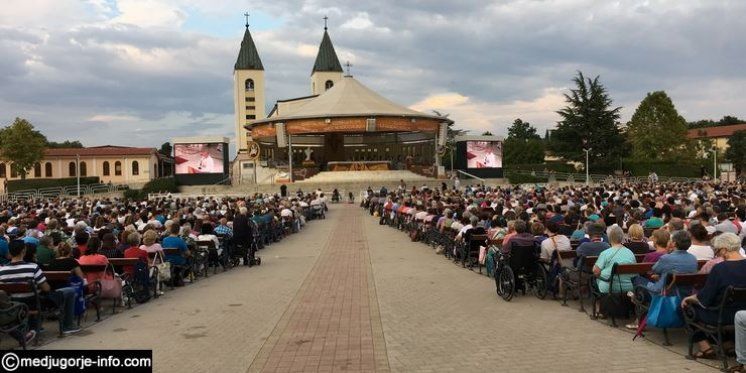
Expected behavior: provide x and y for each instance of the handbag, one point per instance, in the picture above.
(664, 312)
(482, 254)
(111, 287)
(164, 268)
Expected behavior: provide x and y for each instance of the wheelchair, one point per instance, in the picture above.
(520, 270)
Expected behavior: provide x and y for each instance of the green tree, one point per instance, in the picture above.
(522, 130)
(657, 131)
(486, 133)
(22, 145)
(166, 149)
(588, 121)
(736, 152)
(523, 145)
(64, 144)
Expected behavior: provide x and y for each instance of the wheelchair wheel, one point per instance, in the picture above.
(540, 282)
(506, 283)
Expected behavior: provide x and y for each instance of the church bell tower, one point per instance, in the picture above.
(248, 88)
(327, 71)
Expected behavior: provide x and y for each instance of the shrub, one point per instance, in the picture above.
(162, 185)
(27, 184)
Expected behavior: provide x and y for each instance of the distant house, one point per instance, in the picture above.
(115, 164)
(719, 135)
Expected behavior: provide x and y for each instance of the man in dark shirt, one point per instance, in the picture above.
(243, 235)
(522, 237)
(595, 246)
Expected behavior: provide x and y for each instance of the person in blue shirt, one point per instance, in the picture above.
(4, 253)
(677, 261)
(173, 241)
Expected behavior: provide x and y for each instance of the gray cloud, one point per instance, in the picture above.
(494, 53)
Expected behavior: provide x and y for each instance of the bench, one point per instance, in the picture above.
(616, 271)
(731, 297)
(584, 275)
(30, 310)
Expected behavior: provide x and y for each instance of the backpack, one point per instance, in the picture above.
(141, 282)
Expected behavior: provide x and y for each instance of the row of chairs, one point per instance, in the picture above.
(522, 270)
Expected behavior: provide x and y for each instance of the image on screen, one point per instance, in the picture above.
(198, 158)
(484, 154)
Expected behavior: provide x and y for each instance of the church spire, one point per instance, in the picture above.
(326, 59)
(248, 57)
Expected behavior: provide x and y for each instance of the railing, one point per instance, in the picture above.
(598, 178)
(52, 192)
(471, 176)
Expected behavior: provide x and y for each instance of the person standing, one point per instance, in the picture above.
(243, 234)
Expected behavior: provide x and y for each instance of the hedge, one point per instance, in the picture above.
(28, 184)
(549, 166)
(162, 185)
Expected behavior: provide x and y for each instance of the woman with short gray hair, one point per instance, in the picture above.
(731, 272)
(616, 254)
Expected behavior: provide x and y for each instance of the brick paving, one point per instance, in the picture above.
(333, 324)
(349, 295)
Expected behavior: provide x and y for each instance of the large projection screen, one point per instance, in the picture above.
(199, 158)
(484, 154)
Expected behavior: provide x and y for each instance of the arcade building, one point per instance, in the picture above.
(341, 126)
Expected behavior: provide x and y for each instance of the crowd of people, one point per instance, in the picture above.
(674, 225)
(63, 234)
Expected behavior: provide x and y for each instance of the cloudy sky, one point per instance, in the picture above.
(138, 72)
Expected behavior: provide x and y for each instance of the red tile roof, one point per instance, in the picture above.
(711, 132)
(106, 150)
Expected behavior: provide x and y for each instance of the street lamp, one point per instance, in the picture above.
(587, 173)
(714, 152)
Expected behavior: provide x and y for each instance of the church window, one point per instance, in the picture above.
(48, 169)
(37, 170)
(249, 85)
(251, 117)
(328, 84)
(135, 168)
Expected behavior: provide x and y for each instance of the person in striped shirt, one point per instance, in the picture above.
(19, 270)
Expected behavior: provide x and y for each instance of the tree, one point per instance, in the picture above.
(588, 121)
(736, 152)
(657, 131)
(22, 145)
(725, 121)
(523, 145)
(487, 133)
(166, 149)
(64, 144)
(522, 130)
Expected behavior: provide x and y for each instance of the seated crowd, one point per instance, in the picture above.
(70, 236)
(670, 228)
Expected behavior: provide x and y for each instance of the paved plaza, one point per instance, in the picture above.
(349, 295)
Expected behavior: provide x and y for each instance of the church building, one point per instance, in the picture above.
(342, 125)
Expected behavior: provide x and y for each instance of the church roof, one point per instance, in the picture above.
(347, 98)
(327, 59)
(248, 57)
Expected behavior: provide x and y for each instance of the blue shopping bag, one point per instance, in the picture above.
(664, 312)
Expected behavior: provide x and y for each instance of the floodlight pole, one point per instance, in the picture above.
(587, 171)
(77, 171)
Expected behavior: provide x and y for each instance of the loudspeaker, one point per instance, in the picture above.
(282, 139)
(442, 134)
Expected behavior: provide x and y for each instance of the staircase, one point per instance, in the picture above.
(335, 177)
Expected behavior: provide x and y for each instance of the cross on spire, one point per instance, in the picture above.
(325, 20)
(348, 65)
(247, 19)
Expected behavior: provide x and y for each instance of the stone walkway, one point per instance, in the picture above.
(349, 295)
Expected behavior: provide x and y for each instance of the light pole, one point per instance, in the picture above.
(77, 171)
(714, 163)
(587, 173)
